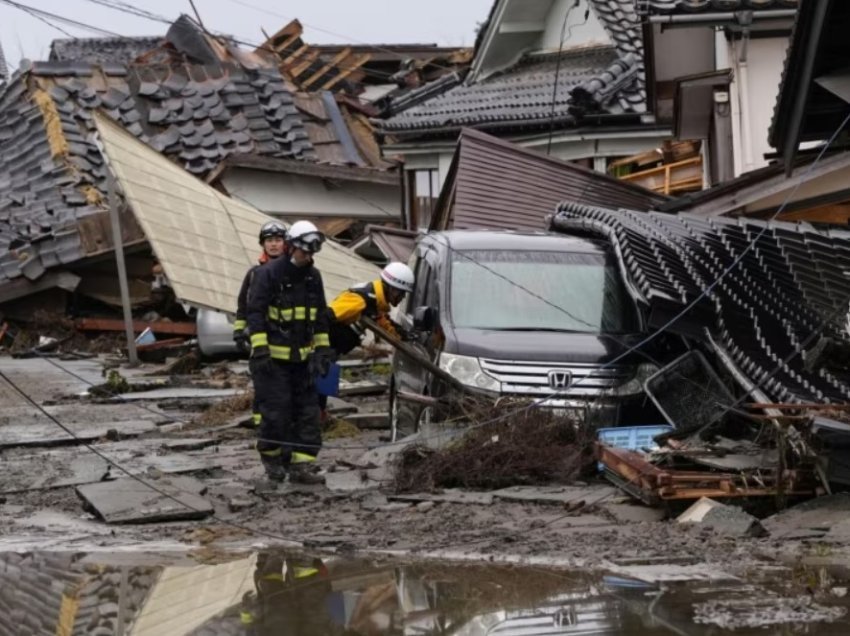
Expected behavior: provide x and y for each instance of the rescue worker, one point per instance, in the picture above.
(288, 322)
(374, 300)
(273, 242)
(293, 596)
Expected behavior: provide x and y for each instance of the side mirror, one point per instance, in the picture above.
(424, 318)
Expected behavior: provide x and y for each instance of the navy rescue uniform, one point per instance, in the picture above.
(288, 315)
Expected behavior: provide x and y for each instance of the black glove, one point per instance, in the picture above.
(320, 361)
(261, 362)
(242, 340)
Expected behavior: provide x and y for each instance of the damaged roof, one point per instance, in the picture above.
(175, 209)
(121, 50)
(712, 6)
(787, 290)
(523, 95)
(601, 80)
(496, 184)
(52, 176)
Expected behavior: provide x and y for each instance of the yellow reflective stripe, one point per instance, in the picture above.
(303, 573)
(280, 353)
(304, 352)
(321, 340)
(239, 325)
(302, 458)
(276, 452)
(246, 618)
(272, 577)
(259, 339)
(257, 418)
(285, 315)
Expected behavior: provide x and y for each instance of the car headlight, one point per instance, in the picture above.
(468, 371)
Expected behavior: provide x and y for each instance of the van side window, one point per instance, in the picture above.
(420, 294)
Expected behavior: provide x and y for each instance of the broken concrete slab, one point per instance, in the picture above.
(633, 513)
(349, 480)
(559, 495)
(47, 379)
(47, 433)
(72, 466)
(131, 501)
(722, 518)
(671, 572)
(817, 516)
(189, 444)
(338, 407)
(380, 503)
(362, 387)
(177, 393)
(451, 495)
(369, 420)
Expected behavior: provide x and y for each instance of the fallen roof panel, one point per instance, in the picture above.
(766, 292)
(205, 240)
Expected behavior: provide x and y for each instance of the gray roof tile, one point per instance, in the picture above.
(606, 79)
(696, 6)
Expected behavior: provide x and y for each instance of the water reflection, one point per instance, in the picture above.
(302, 595)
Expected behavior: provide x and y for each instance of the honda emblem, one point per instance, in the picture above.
(560, 379)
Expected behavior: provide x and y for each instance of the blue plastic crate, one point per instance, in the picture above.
(632, 437)
(329, 384)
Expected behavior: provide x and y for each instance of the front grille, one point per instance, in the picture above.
(533, 378)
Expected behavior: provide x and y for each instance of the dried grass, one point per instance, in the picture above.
(532, 447)
(222, 412)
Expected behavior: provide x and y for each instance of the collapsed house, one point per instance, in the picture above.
(765, 302)
(212, 109)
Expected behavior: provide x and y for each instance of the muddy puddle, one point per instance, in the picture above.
(286, 593)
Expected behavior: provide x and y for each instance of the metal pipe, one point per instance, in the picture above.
(729, 16)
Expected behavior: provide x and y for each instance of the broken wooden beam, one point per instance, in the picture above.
(158, 326)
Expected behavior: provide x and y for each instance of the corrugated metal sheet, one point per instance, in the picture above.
(498, 185)
(204, 240)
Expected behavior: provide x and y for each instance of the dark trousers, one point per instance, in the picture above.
(290, 412)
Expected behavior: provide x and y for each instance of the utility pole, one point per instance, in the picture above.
(118, 244)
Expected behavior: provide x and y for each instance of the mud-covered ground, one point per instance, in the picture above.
(588, 524)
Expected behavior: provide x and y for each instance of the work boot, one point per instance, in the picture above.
(275, 475)
(305, 474)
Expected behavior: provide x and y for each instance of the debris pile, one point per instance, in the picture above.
(527, 448)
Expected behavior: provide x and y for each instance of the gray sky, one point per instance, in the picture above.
(446, 22)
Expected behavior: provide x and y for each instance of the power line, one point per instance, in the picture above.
(48, 15)
(124, 8)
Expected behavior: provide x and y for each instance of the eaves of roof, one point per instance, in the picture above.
(290, 166)
(692, 7)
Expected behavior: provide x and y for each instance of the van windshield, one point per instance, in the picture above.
(549, 291)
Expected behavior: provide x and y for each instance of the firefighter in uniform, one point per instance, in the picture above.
(293, 596)
(288, 322)
(374, 300)
(273, 242)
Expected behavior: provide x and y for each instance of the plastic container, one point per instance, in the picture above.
(631, 437)
(329, 384)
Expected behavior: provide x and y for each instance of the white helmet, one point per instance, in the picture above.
(398, 275)
(305, 236)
